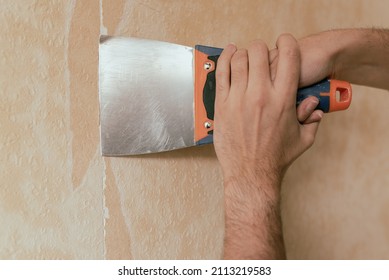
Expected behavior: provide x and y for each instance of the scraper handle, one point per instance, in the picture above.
(333, 95)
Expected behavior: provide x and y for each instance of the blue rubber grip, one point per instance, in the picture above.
(316, 90)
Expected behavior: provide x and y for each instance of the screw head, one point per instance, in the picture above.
(207, 65)
(207, 125)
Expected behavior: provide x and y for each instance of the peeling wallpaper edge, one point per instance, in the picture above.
(69, 165)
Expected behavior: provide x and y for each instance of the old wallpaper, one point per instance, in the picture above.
(60, 199)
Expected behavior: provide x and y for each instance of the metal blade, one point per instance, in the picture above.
(146, 96)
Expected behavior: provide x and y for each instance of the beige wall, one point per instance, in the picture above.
(60, 199)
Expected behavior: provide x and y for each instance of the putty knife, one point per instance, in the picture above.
(157, 96)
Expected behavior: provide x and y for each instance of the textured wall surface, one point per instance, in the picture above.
(51, 168)
(60, 199)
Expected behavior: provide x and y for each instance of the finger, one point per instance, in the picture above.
(223, 73)
(316, 116)
(306, 108)
(288, 66)
(259, 70)
(239, 72)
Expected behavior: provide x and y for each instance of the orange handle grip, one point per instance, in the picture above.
(340, 95)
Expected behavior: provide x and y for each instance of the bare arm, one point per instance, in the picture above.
(258, 134)
(253, 228)
(360, 56)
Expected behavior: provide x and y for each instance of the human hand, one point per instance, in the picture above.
(318, 55)
(257, 132)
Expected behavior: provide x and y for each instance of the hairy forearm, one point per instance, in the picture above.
(360, 56)
(253, 228)
(363, 57)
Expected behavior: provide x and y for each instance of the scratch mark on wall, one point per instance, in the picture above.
(103, 29)
(124, 23)
(117, 239)
(83, 54)
(150, 7)
(105, 208)
(69, 159)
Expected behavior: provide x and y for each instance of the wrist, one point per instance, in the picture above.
(259, 186)
(351, 52)
(344, 52)
(326, 55)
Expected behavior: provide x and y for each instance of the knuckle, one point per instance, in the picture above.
(288, 45)
(239, 65)
(222, 80)
(221, 84)
(292, 52)
(220, 75)
(237, 74)
(260, 102)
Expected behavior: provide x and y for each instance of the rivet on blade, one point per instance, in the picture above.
(207, 65)
(207, 125)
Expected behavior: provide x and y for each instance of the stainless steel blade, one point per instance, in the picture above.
(146, 93)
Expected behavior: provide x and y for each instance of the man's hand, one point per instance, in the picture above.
(256, 125)
(257, 136)
(317, 60)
